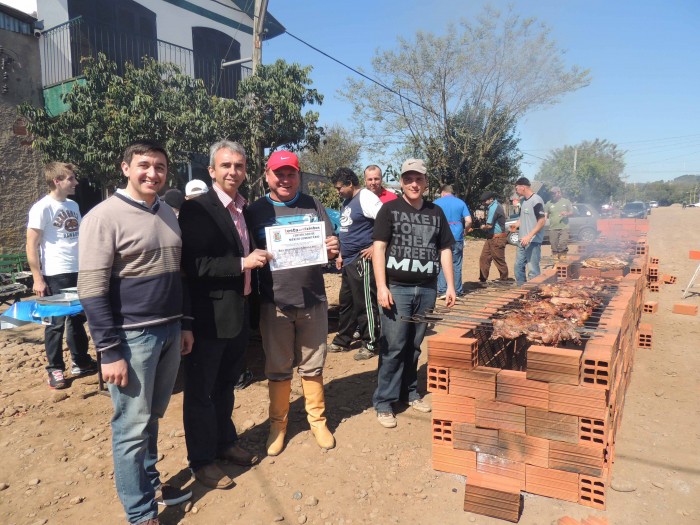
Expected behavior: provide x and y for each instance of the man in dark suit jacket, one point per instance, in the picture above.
(217, 258)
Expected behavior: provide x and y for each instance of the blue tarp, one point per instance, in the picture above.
(24, 312)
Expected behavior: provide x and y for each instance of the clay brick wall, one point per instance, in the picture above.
(21, 167)
(548, 429)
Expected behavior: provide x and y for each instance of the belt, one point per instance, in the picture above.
(498, 235)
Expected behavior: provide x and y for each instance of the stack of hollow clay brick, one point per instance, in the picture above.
(631, 233)
(548, 429)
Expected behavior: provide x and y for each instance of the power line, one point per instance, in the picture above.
(658, 140)
(361, 74)
(689, 171)
(669, 158)
(531, 155)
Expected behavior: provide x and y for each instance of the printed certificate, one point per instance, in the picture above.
(296, 245)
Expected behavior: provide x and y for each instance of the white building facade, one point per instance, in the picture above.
(197, 35)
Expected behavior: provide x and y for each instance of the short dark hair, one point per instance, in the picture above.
(345, 176)
(447, 188)
(174, 198)
(141, 147)
(486, 196)
(522, 181)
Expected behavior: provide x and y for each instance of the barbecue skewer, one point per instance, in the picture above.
(484, 324)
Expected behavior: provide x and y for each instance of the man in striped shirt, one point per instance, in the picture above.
(130, 286)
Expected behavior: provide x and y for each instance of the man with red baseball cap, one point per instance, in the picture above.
(280, 159)
(294, 308)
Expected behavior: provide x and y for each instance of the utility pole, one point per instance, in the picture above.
(258, 24)
(575, 159)
(257, 155)
(258, 146)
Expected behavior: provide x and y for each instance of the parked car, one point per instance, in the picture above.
(653, 204)
(583, 225)
(607, 210)
(634, 210)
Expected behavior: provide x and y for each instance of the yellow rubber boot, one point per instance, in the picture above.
(315, 410)
(279, 410)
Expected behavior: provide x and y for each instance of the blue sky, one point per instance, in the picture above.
(643, 58)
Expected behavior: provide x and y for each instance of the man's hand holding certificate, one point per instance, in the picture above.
(296, 245)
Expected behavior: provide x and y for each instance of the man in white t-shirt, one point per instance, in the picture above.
(52, 252)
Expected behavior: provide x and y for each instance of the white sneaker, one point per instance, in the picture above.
(386, 419)
(420, 405)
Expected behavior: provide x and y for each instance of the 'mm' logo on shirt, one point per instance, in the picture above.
(408, 265)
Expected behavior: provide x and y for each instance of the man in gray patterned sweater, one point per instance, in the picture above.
(130, 286)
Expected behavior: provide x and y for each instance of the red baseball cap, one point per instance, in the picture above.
(283, 158)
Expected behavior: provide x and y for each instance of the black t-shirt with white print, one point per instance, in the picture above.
(414, 239)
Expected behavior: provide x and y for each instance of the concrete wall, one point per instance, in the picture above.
(21, 166)
(174, 22)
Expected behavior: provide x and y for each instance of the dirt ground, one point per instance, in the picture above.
(57, 465)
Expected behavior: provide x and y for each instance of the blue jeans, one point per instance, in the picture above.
(527, 258)
(457, 249)
(399, 345)
(153, 357)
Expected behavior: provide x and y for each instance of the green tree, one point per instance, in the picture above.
(496, 69)
(681, 189)
(326, 194)
(588, 172)
(337, 149)
(271, 107)
(159, 102)
(108, 111)
(481, 167)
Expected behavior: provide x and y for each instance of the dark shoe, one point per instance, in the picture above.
(213, 477)
(56, 380)
(90, 367)
(363, 353)
(149, 521)
(334, 348)
(245, 380)
(239, 456)
(168, 495)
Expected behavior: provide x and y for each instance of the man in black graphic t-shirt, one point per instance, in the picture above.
(412, 241)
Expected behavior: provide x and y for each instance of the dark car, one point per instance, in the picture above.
(583, 225)
(634, 210)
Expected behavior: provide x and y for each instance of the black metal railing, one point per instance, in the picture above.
(66, 44)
